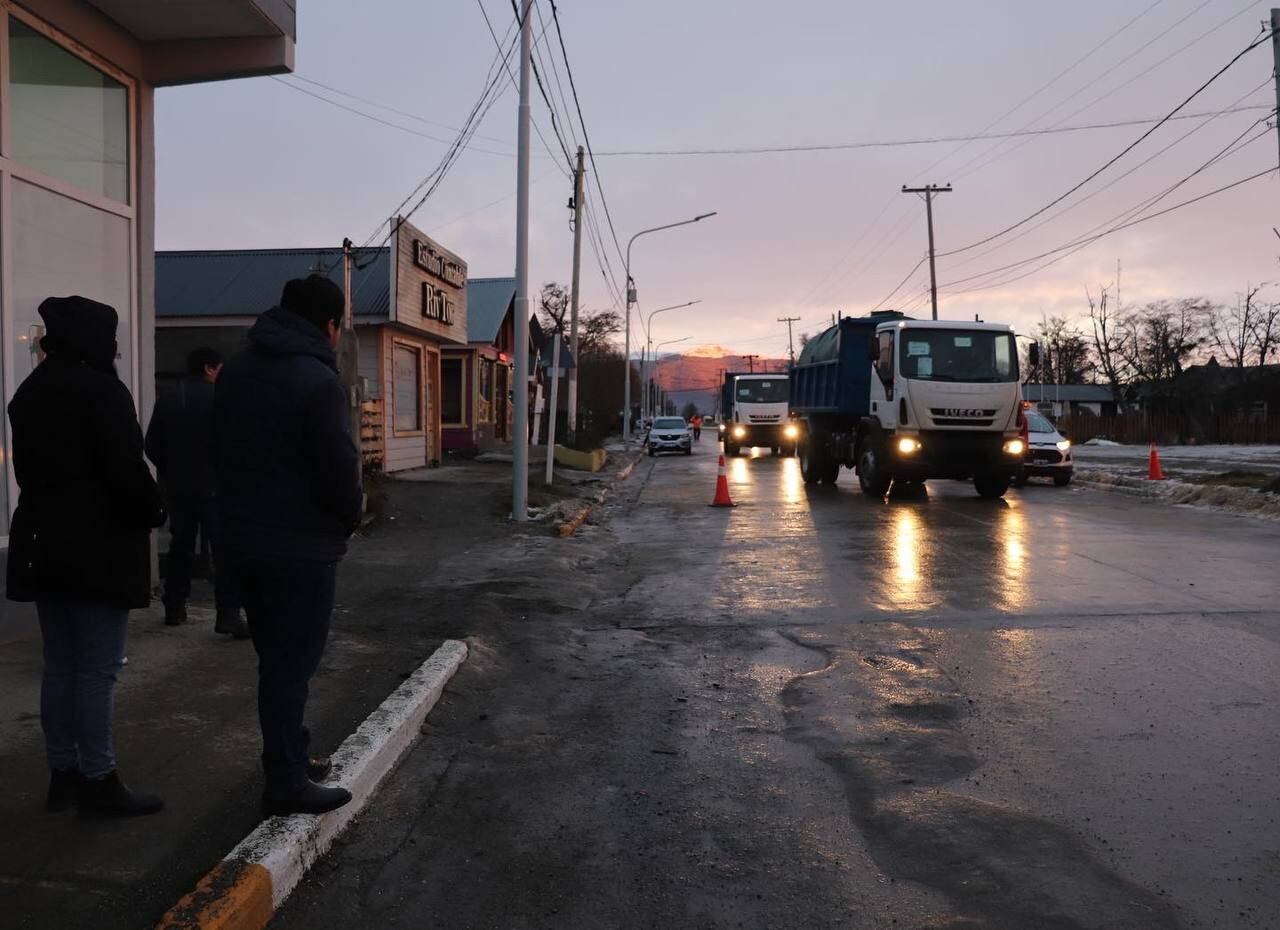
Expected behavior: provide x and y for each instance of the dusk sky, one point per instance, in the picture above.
(256, 163)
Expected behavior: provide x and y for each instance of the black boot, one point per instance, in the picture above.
(231, 623)
(175, 616)
(318, 768)
(108, 796)
(311, 799)
(64, 787)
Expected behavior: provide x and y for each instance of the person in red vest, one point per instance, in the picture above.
(696, 423)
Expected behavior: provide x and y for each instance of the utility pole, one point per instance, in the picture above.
(573, 296)
(555, 403)
(1275, 54)
(520, 441)
(349, 353)
(751, 362)
(791, 347)
(929, 190)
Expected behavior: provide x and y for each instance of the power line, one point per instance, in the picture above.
(1115, 90)
(910, 142)
(586, 139)
(1087, 239)
(1111, 161)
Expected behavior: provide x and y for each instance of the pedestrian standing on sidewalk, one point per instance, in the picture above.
(289, 493)
(179, 443)
(79, 545)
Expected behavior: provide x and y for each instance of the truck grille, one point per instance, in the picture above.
(753, 418)
(958, 416)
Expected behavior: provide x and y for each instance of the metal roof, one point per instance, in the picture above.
(235, 282)
(488, 300)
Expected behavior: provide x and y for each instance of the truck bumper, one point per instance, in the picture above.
(758, 434)
(954, 455)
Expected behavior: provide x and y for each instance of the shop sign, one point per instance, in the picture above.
(437, 304)
(428, 259)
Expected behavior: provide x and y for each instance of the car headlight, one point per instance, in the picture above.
(720, 427)
(1014, 447)
(1064, 445)
(908, 445)
(739, 432)
(791, 432)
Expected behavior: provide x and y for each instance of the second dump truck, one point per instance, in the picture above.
(754, 412)
(902, 400)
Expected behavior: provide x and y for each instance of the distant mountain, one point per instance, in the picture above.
(695, 376)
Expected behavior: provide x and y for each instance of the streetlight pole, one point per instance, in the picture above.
(630, 300)
(648, 340)
(520, 421)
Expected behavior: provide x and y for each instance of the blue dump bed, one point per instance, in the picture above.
(833, 374)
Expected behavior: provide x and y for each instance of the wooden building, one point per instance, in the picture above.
(476, 378)
(409, 303)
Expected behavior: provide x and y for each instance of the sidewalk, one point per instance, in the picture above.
(187, 724)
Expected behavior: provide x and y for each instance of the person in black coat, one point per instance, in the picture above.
(179, 443)
(289, 495)
(79, 544)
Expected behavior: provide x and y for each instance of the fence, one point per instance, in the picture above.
(1169, 429)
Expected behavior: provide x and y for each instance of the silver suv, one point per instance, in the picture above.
(670, 434)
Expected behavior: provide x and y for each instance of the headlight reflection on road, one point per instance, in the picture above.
(792, 482)
(1011, 529)
(906, 583)
(738, 471)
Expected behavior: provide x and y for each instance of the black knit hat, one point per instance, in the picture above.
(80, 329)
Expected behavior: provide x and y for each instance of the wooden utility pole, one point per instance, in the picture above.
(751, 362)
(520, 439)
(573, 295)
(349, 352)
(791, 346)
(929, 190)
(1275, 53)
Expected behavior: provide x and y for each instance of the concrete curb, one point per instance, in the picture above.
(246, 888)
(574, 523)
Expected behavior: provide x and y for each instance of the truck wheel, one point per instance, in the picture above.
(1020, 481)
(832, 470)
(809, 469)
(991, 486)
(730, 450)
(1061, 480)
(873, 479)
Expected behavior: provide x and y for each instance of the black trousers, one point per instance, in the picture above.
(288, 605)
(188, 515)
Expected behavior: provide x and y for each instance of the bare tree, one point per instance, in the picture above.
(554, 301)
(1161, 337)
(1107, 343)
(1264, 332)
(1064, 352)
(1231, 329)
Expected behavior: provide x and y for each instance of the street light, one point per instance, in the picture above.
(630, 300)
(653, 400)
(648, 339)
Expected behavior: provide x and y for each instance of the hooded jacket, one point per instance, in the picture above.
(180, 437)
(288, 470)
(87, 501)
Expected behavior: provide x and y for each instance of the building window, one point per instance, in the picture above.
(451, 392)
(67, 119)
(407, 388)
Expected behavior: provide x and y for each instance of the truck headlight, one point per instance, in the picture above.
(1064, 445)
(739, 432)
(908, 446)
(791, 432)
(1014, 447)
(720, 427)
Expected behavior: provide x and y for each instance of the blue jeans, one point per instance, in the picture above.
(188, 515)
(288, 605)
(83, 652)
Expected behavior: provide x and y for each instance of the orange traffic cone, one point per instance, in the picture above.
(1153, 465)
(722, 488)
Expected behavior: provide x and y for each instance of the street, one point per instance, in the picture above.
(818, 710)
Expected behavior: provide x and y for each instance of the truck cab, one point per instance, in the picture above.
(756, 412)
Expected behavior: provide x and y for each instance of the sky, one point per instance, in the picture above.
(259, 163)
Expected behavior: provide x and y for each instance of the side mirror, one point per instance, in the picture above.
(1033, 355)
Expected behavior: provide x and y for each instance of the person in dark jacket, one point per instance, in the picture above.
(179, 443)
(289, 495)
(79, 544)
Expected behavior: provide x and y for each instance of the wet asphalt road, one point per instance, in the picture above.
(1054, 711)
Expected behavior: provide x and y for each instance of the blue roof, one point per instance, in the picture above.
(488, 300)
(235, 282)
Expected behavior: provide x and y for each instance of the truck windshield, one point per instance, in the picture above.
(957, 355)
(762, 391)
